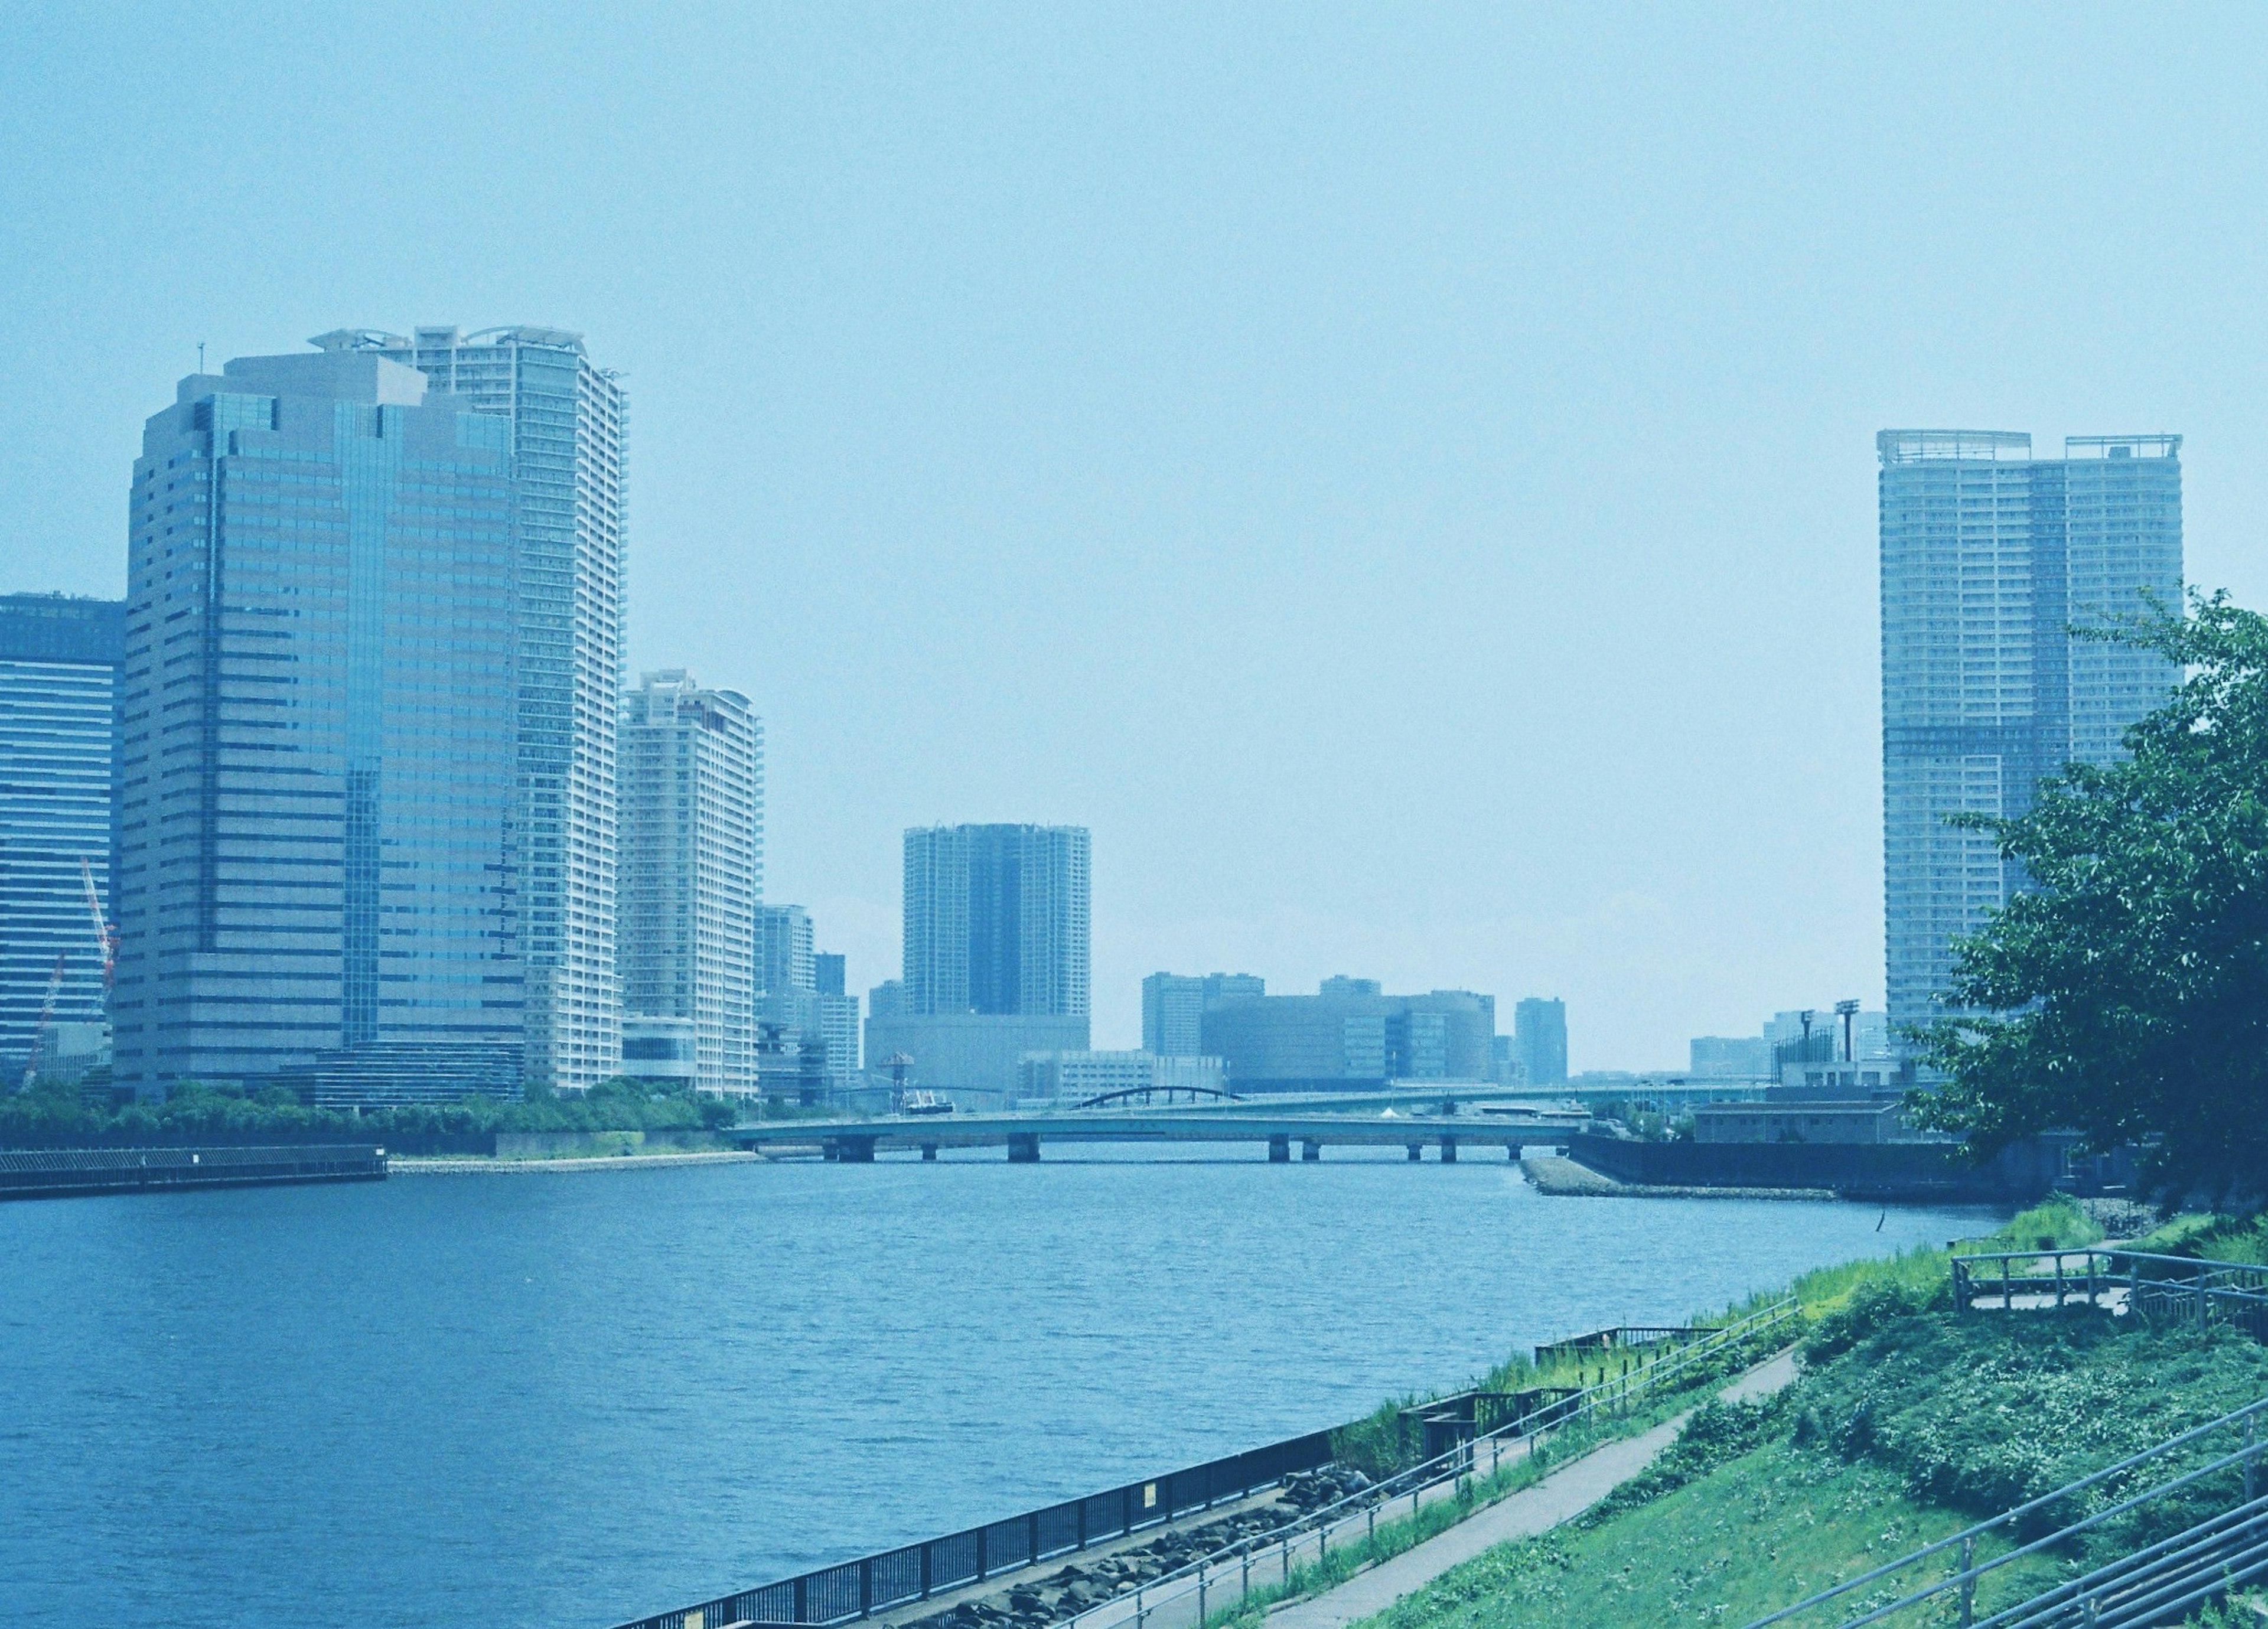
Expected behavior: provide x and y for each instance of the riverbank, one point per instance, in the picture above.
(477, 1165)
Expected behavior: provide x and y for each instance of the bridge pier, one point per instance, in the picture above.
(1311, 1150)
(929, 1150)
(1417, 1153)
(1448, 1151)
(1023, 1147)
(1279, 1151)
(851, 1150)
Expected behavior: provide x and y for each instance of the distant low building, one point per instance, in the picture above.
(1731, 1057)
(1076, 1076)
(1174, 1007)
(972, 1051)
(1820, 1121)
(1350, 1036)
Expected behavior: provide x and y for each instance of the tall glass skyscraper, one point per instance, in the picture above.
(692, 868)
(567, 420)
(1990, 557)
(317, 768)
(996, 920)
(59, 665)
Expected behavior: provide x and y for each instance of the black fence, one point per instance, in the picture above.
(56, 1173)
(874, 1583)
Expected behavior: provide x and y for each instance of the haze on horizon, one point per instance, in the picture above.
(1405, 481)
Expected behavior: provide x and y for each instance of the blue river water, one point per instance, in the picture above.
(571, 1399)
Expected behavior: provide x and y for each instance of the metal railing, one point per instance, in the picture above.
(895, 1578)
(2148, 1585)
(28, 1173)
(1186, 1596)
(2182, 1288)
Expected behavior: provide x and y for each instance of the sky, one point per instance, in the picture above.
(1402, 477)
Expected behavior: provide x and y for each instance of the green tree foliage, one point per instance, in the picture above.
(46, 1114)
(2125, 996)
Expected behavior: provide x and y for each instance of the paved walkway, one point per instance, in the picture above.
(1566, 1492)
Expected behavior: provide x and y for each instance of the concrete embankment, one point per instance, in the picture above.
(474, 1165)
(57, 1172)
(1556, 1174)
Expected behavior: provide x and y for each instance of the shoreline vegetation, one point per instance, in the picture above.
(1907, 1422)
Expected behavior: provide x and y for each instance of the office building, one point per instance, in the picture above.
(996, 920)
(1539, 1040)
(60, 662)
(1989, 558)
(1173, 1007)
(690, 870)
(667, 1052)
(1350, 1036)
(783, 954)
(567, 421)
(827, 973)
(970, 1053)
(318, 767)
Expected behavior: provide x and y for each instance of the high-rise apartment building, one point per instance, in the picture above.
(60, 661)
(1990, 557)
(1539, 1040)
(783, 953)
(1173, 1007)
(567, 421)
(690, 872)
(996, 920)
(317, 766)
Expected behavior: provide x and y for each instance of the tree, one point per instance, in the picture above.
(2125, 994)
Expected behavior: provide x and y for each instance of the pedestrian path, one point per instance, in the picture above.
(1566, 1492)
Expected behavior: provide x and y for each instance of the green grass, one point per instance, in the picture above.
(1909, 1424)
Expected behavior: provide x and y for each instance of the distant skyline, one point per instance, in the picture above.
(1404, 482)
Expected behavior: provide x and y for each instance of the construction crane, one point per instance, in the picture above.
(105, 935)
(46, 1017)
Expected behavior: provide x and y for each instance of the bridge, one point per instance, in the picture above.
(1022, 1135)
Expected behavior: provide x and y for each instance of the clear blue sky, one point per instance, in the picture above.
(1402, 477)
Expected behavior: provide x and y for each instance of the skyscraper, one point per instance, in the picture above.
(1539, 1039)
(691, 868)
(566, 442)
(783, 940)
(1990, 557)
(996, 920)
(59, 666)
(317, 758)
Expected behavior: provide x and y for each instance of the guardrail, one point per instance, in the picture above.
(1185, 1597)
(2154, 1584)
(2176, 1287)
(893, 1578)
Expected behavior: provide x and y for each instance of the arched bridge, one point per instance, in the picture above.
(1144, 1094)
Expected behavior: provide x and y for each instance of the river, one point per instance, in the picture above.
(566, 1400)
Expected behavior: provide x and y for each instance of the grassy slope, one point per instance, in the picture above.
(1908, 1425)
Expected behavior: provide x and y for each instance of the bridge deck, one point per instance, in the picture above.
(1210, 1125)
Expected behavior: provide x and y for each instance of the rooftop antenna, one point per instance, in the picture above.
(201, 356)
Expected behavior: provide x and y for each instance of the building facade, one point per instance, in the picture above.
(783, 953)
(60, 663)
(1173, 1007)
(1350, 1036)
(1989, 558)
(1539, 1040)
(690, 870)
(996, 920)
(1075, 1077)
(318, 743)
(568, 422)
